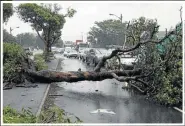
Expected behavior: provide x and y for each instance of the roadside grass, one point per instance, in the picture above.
(53, 114)
(10, 115)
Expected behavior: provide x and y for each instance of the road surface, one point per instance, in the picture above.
(106, 102)
(19, 97)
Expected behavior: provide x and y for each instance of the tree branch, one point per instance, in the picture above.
(181, 13)
(114, 52)
(126, 79)
(40, 36)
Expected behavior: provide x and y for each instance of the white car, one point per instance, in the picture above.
(67, 50)
(128, 61)
(72, 53)
(81, 53)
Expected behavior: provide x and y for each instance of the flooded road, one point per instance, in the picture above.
(107, 102)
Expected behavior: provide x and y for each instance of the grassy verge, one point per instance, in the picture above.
(52, 115)
(10, 115)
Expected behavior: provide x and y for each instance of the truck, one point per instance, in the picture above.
(68, 44)
(81, 48)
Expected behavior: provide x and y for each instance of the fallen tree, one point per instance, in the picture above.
(46, 76)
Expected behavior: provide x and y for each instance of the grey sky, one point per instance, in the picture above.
(167, 14)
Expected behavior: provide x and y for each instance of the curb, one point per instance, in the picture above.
(43, 100)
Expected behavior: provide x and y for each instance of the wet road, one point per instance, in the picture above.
(19, 97)
(120, 106)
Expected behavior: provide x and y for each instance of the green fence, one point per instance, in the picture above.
(169, 38)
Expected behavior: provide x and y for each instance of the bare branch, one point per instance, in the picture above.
(181, 13)
(136, 87)
(126, 79)
(143, 82)
(166, 31)
(123, 79)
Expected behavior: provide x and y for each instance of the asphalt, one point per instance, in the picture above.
(106, 102)
(19, 98)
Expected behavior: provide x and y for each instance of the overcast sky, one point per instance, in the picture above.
(167, 14)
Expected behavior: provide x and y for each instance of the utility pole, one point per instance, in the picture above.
(11, 29)
(121, 20)
(20, 39)
(125, 37)
(82, 37)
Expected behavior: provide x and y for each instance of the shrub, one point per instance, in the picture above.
(166, 80)
(40, 62)
(12, 58)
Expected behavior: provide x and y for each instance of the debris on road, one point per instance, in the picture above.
(56, 95)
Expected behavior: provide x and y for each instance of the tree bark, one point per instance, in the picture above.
(74, 76)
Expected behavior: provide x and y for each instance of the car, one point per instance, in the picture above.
(82, 54)
(54, 49)
(93, 56)
(61, 50)
(72, 53)
(128, 60)
(28, 51)
(66, 51)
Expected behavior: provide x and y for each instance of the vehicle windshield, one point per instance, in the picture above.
(83, 45)
(103, 51)
(73, 51)
(98, 51)
(95, 51)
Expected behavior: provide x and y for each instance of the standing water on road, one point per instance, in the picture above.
(106, 102)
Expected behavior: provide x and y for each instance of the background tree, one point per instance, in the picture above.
(39, 43)
(26, 39)
(7, 11)
(138, 30)
(59, 43)
(45, 18)
(7, 37)
(139, 27)
(107, 32)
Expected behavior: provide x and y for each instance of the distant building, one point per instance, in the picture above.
(68, 44)
(79, 41)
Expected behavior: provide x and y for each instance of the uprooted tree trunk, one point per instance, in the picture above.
(74, 76)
